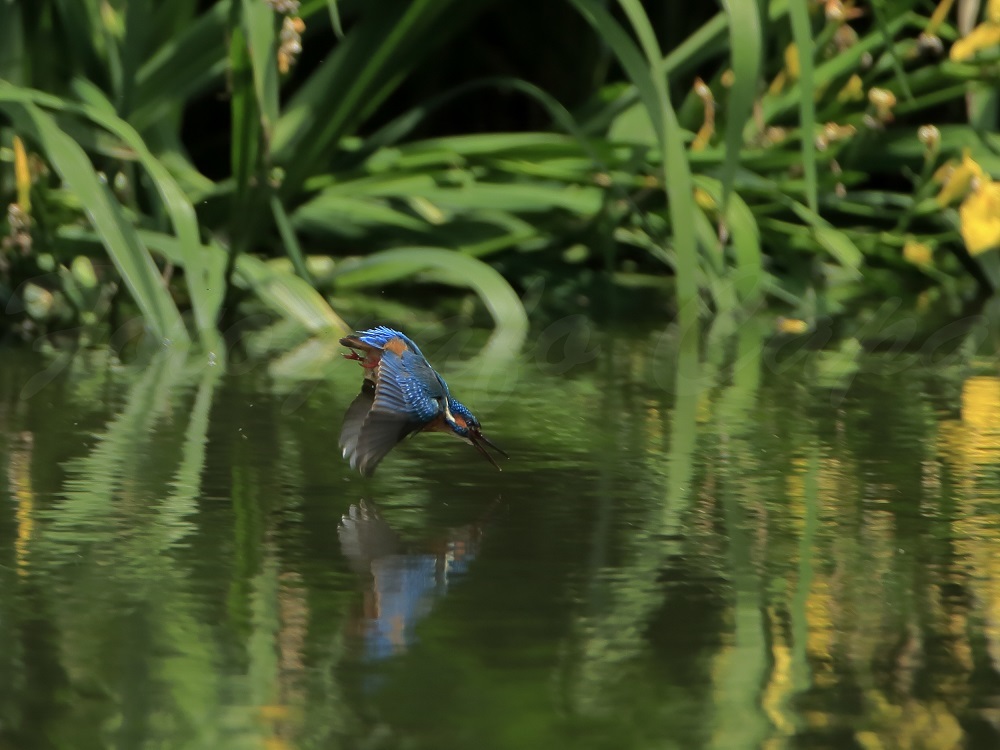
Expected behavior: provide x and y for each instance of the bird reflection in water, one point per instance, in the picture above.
(403, 581)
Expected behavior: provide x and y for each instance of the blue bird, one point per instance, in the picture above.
(401, 395)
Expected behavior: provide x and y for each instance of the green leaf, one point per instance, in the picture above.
(651, 84)
(633, 125)
(246, 146)
(346, 216)
(289, 295)
(354, 79)
(520, 197)
(746, 42)
(119, 237)
(287, 233)
(12, 43)
(186, 65)
(258, 24)
(742, 228)
(802, 34)
(203, 271)
(841, 248)
(338, 29)
(879, 12)
(448, 267)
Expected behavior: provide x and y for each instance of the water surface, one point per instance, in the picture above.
(801, 551)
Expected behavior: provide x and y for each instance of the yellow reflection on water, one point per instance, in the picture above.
(779, 684)
(974, 440)
(970, 447)
(19, 479)
(912, 724)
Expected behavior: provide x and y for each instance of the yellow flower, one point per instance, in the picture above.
(792, 326)
(792, 61)
(853, 90)
(918, 253)
(774, 135)
(984, 36)
(979, 216)
(834, 132)
(22, 176)
(956, 182)
(883, 100)
(705, 201)
(943, 173)
(788, 74)
(993, 11)
(840, 12)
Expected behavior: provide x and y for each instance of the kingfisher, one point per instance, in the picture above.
(401, 394)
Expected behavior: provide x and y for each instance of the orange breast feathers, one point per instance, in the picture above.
(396, 346)
(436, 425)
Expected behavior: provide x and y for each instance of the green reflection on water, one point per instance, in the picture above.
(780, 555)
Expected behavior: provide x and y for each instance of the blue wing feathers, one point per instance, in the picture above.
(380, 336)
(408, 386)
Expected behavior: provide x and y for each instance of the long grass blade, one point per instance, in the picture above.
(258, 25)
(289, 296)
(12, 43)
(643, 69)
(119, 237)
(883, 26)
(362, 71)
(335, 22)
(203, 271)
(450, 267)
(245, 146)
(746, 42)
(839, 245)
(287, 233)
(186, 65)
(749, 278)
(802, 34)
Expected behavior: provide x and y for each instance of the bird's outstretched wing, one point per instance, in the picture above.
(365, 536)
(406, 395)
(405, 383)
(354, 418)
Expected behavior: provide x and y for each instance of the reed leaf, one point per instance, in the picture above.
(643, 68)
(449, 267)
(130, 256)
(746, 43)
(742, 227)
(258, 22)
(362, 70)
(203, 274)
(183, 67)
(802, 34)
(289, 296)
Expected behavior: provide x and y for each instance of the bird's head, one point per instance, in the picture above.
(464, 424)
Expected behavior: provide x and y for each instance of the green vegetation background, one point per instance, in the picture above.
(200, 162)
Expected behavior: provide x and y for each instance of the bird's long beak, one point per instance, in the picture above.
(478, 439)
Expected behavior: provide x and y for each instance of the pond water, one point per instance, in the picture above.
(802, 549)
